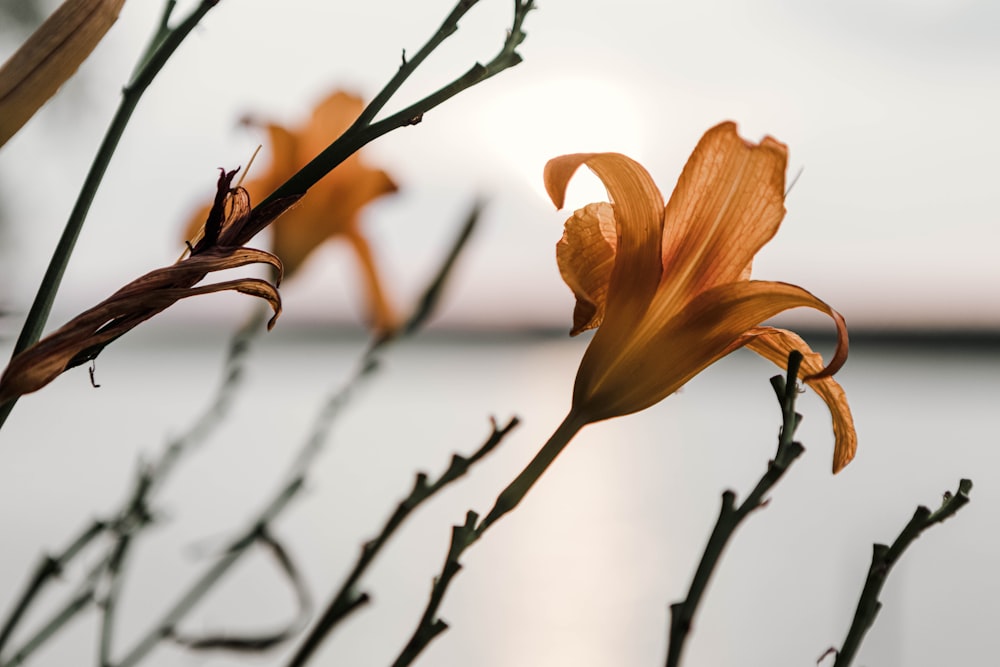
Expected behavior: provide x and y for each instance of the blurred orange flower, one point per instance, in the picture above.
(331, 208)
(669, 286)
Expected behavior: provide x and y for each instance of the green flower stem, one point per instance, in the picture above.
(464, 536)
(163, 44)
(516, 490)
(730, 517)
(883, 559)
(347, 598)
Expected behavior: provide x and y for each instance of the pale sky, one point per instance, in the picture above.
(887, 106)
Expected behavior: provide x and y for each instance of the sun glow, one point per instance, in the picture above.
(543, 119)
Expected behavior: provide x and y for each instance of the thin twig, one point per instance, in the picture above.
(364, 130)
(428, 302)
(730, 517)
(166, 626)
(464, 536)
(259, 642)
(347, 598)
(430, 626)
(48, 570)
(884, 558)
(426, 306)
(212, 416)
(133, 515)
(164, 42)
(80, 600)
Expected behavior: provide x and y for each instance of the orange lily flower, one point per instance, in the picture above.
(332, 206)
(669, 286)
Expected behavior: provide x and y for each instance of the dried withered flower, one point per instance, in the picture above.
(231, 223)
(333, 207)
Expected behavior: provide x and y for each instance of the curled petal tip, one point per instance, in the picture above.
(839, 355)
(558, 171)
(846, 448)
(279, 273)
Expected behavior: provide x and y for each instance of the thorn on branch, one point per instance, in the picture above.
(828, 652)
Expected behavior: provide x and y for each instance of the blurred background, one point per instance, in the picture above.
(888, 108)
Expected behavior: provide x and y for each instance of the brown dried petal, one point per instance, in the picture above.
(85, 336)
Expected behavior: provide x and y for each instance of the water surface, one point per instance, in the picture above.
(582, 573)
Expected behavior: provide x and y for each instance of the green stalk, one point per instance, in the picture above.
(515, 492)
(462, 537)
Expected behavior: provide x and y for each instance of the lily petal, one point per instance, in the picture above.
(332, 207)
(728, 202)
(638, 207)
(639, 217)
(285, 159)
(329, 210)
(586, 256)
(380, 315)
(330, 119)
(653, 366)
(741, 306)
(775, 345)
